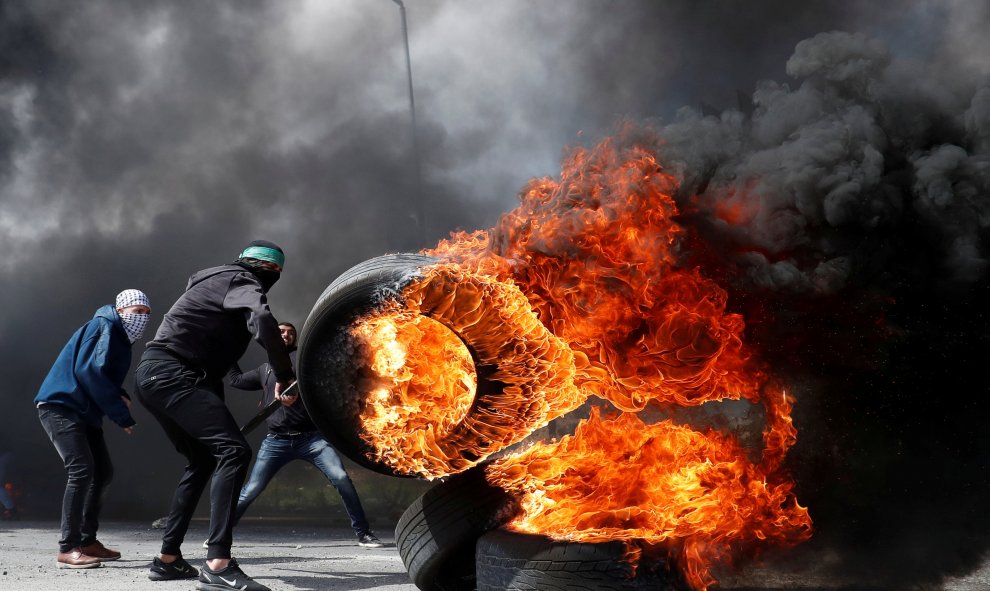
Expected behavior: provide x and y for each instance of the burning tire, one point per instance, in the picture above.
(354, 292)
(513, 376)
(508, 561)
(436, 535)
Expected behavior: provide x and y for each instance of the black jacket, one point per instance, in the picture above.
(286, 418)
(211, 324)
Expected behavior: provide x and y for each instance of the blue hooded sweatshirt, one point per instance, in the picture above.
(89, 372)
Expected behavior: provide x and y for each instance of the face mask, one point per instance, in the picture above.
(267, 277)
(134, 325)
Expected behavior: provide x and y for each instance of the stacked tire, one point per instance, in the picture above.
(509, 561)
(436, 535)
(449, 540)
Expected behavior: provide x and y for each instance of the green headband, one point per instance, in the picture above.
(263, 253)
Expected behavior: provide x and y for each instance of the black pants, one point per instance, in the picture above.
(88, 468)
(202, 429)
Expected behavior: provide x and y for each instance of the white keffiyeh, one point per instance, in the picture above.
(134, 324)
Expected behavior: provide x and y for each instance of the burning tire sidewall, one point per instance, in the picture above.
(524, 373)
(355, 292)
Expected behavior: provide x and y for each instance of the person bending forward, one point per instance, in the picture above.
(180, 382)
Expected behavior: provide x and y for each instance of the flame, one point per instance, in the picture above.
(424, 385)
(581, 292)
(663, 488)
(415, 417)
(596, 256)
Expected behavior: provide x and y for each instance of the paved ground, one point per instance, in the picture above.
(300, 556)
(284, 557)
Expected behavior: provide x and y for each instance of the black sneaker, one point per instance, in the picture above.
(231, 577)
(368, 540)
(169, 571)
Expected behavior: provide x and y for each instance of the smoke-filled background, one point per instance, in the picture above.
(835, 162)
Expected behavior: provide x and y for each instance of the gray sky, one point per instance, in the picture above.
(140, 142)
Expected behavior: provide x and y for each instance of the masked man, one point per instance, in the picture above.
(83, 386)
(180, 382)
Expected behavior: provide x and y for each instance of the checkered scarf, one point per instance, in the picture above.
(134, 324)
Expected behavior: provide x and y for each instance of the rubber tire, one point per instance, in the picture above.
(509, 561)
(354, 292)
(436, 535)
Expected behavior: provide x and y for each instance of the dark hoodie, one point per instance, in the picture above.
(211, 324)
(285, 418)
(89, 372)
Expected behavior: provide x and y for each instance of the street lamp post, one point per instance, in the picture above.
(420, 210)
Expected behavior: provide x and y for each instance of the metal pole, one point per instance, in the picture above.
(420, 210)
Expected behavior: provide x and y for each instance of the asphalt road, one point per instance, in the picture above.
(303, 556)
(284, 557)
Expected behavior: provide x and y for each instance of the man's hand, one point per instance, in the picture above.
(129, 430)
(285, 399)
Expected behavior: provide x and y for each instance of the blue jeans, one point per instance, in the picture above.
(278, 450)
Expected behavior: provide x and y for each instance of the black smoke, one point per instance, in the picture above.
(141, 142)
(848, 211)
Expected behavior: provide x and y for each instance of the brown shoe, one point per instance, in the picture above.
(98, 550)
(76, 559)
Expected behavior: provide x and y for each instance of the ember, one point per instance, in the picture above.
(580, 292)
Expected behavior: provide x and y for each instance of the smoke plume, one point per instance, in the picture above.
(848, 210)
(833, 161)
